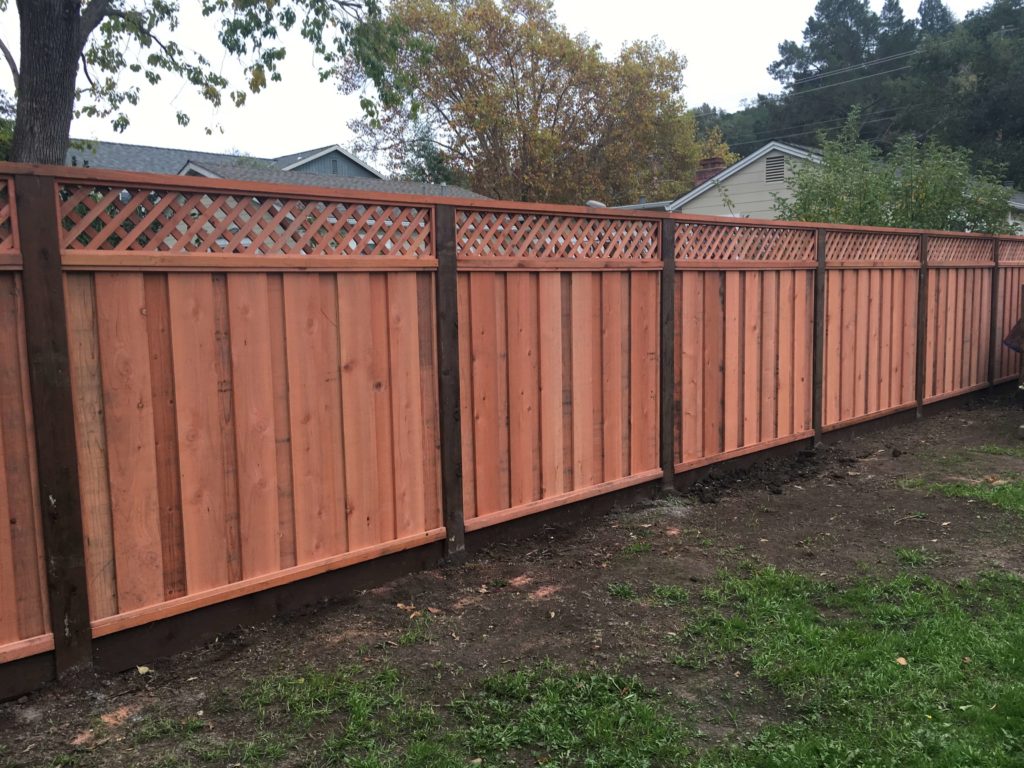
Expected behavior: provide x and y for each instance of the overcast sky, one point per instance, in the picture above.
(728, 45)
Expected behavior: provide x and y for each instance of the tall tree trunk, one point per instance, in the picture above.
(50, 47)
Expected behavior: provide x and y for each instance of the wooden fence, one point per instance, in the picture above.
(208, 389)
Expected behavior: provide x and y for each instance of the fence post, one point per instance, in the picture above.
(53, 414)
(667, 401)
(922, 324)
(818, 363)
(993, 329)
(448, 393)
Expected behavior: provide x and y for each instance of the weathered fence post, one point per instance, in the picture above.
(818, 362)
(667, 401)
(922, 324)
(448, 391)
(53, 415)
(993, 346)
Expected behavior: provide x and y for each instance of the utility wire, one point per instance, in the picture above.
(852, 67)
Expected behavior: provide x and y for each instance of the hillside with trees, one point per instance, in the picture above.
(958, 83)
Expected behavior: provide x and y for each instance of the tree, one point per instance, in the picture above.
(93, 58)
(897, 35)
(523, 110)
(918, 185)
(934, 18)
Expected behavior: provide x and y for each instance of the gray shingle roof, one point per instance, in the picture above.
(138, 157)
(253, 172)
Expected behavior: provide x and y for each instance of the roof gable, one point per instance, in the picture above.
(296, 160)
(712, 183)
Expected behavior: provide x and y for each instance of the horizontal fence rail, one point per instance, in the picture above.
(263, 383)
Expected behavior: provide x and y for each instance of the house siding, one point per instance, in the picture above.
(747, 192)
(323, 166)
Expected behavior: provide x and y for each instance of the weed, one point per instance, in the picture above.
(1001, 450)
(915, 557)
(636, 548)
(418, 631)
(669, 594)
(623, 591)
(154, 729)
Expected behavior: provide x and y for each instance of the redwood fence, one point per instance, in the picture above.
(208, 388)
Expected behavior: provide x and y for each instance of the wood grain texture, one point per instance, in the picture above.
(131, 452)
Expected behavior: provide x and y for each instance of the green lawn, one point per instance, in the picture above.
(901, 672)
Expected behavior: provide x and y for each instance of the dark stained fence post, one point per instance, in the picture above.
(818, 376)
(993, 328)
(448, 385)
(922, 325)
(53, 413)
(667, 401)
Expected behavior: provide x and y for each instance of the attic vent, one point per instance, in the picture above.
(774, 169)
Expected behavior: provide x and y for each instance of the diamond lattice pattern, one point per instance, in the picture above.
(871, 246)
(116, 219)
(718, 242)
(509, 234)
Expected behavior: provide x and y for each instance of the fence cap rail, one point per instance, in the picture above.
(105, 176)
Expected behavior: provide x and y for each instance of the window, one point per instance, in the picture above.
(774, 169)
(334, 166)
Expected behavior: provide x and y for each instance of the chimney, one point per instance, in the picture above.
(709, 167)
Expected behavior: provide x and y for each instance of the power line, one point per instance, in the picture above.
(852, 67)
(804, 133)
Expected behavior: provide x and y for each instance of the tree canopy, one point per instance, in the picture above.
(931, 77)
(919, 185)
(508, 101)
(97, 58)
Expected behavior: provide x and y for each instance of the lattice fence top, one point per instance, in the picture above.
(959, 250)
(723, 242)
(510, 234)
(1011, 251)
(118, 219)
(6, 216)
(871, 246)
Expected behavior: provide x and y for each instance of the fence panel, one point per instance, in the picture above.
(870, 325)
(1011, 278)
(959, 311)
(559, 344)
(744, 337)
(255, 390)
(24, 613)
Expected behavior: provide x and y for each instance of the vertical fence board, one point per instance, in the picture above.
(131, 453)
(203, 488)
(91, 445)
(253, 385)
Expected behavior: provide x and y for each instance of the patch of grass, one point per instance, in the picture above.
(636, 548)
(418, 631)
(1006, 494)
(315, 695)
(622, 590)
(156, 728)
(915, 557)
(836, 656)
(1001, 450)
(571, 720)
(669, 594)
(266, 749)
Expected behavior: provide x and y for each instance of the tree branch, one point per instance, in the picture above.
(85, 71)
(92, 15)
(11, 63)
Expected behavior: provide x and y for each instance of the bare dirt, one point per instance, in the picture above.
(835, 514)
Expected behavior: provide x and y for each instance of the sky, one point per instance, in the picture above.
(728, 45)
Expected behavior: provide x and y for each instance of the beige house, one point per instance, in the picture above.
(745, 189)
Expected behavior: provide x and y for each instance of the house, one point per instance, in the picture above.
(745, 188)
(1017, 212)
(330, 166)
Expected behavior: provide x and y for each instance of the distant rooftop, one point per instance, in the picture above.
(328, 166)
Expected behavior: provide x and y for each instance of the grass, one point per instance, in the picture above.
(1006, 494)
(669, 594)
(636, 548)
(417, 632)
(915, 557)
(837, 657)
(1001, 450)
(623, 591)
